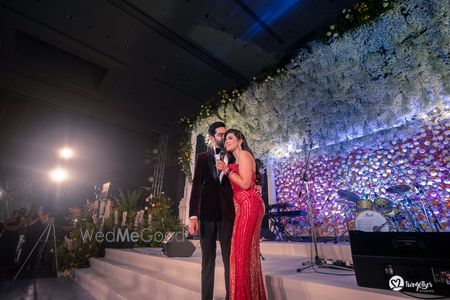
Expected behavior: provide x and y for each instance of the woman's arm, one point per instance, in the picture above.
(244, 178)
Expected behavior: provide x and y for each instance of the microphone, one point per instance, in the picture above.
(222, 152)
(221, 156)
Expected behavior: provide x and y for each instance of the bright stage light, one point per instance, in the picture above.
(66, 153)
(59, 175)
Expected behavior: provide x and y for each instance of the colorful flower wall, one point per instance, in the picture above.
(418, 154)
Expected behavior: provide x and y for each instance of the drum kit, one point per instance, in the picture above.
(375, 214)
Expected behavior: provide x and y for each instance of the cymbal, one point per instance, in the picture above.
(347, 195)
(398, 189)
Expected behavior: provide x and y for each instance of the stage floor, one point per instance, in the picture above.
(146, 273)
(279, 267)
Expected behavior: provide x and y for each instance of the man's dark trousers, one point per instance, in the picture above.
(209, 232)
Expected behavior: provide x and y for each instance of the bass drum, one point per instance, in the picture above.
(372, 221)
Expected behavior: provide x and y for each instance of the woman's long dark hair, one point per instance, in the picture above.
(240, 136)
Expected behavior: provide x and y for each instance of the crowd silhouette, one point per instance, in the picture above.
(19, 233)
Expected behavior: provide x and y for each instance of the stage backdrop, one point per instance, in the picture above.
(415, 156)
(353, 94)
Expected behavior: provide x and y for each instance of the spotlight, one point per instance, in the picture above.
(59, 175)
(66, 153)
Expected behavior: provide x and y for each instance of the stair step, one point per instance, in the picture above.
(104, 287)
(188, 268)
(146, 280)
(125, 274)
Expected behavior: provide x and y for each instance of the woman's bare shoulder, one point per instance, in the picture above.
(246, 156)
(245, 153)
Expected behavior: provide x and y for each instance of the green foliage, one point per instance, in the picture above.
(74, 252)
(162, 219)
(184, 157)
(129, 200)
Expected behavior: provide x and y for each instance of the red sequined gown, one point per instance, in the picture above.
(246, 281)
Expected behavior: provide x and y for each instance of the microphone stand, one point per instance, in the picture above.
(317, 260)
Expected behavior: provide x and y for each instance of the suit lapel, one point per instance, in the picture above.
(212, 164)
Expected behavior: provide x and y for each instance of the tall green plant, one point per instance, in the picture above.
(128, 201)
(163, 220)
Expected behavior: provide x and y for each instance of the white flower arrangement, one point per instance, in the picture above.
(102, 209)
(116, 217)
(380, 76)
(107, 209)
(124, 219)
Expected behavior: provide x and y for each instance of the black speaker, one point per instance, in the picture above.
(402, 261)
(174, 246)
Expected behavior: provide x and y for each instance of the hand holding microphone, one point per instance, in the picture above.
(220, 164)
(222, 152)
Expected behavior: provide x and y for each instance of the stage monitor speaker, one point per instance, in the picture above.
(174, 246)
(416, 262)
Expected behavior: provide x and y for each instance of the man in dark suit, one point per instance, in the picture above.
(211, 210)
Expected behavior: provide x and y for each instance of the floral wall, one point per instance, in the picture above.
(417, 156)
(381, 75)
(374, 101)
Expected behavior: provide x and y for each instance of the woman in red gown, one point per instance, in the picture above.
(246, 281)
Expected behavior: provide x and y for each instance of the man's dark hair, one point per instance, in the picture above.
(212, 128)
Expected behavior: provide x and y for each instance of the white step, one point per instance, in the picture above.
(130, 274)
(103, 287)
(158, 285)
(187, 269)
(126, 274)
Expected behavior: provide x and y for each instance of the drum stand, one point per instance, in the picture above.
(436, 223)
(426, 210)
(346, 225)
(411, 216)
(49, 228)
(317, 260)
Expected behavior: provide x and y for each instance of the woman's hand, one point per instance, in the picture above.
(221, 165)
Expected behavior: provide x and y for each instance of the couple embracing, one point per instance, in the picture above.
(227, 204)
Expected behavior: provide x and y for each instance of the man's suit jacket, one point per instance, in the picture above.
(211, 200)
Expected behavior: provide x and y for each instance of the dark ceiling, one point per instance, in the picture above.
(143, 64)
